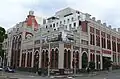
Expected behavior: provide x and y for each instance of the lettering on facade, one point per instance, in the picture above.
(54, 45)
(85, 49)
(67, 45)
(76, 48)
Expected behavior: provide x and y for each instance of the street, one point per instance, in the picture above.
(100, 75)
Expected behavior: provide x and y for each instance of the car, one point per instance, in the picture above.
(8, 69)
(1, 69)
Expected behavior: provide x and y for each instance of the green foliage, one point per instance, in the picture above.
(2, 37)
(92, 65)
(107, 63)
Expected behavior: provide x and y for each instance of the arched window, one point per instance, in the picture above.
(46, 58)
(42, 59)
(84, 60)
(65, 59)
(36, 60)
(52, 55)
(75, 59)
(69, 59)
(23, 59)
(56, 58)
(28, 59)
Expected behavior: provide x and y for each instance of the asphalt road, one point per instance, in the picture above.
(102, 75)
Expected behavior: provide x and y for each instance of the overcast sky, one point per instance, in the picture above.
(14, 11)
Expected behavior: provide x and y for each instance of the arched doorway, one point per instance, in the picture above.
(44, 59)
(56, 58)
(75, 59)
(67, 59)
(52, 59)
(84, 60)
(36, 60)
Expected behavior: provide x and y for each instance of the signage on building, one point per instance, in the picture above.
(106, 52)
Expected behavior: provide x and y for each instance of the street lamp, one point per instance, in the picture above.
(74, 31)
(75, 65)
(99, 64)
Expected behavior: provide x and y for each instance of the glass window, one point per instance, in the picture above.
(70, 26)
(46, 26)
(51, 25)
(54, 25)
(74, 24)
(72, 18)
(78, 17)
(64, 21)
(57, 24)
(60, 22)
(68, 20)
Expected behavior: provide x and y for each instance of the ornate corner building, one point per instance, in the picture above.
(68, 37)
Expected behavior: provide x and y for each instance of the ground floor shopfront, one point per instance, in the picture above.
(61, 56)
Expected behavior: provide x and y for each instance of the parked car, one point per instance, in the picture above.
(1, 69)
(8, 69)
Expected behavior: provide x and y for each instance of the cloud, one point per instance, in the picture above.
(106, 10)
(14, 11)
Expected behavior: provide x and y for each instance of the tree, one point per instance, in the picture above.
(107, 63)
(92, 65)
(3, 36)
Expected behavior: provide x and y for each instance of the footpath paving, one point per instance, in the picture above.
(28, 75)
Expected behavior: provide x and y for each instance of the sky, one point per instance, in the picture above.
(15, 11)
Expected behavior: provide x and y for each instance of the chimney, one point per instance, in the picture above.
(31, 12)
(99, 21)
(118, 29)
(93, 18)
(109, 26)
(104, 24)
(114, 29)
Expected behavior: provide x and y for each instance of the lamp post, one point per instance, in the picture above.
(75, 65)
(74, 31)
(99, 64)
(48, 68)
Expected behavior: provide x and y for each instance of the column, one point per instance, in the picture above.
(72, 55)
(101, 61)
(40, 56)
(61, 56)
(26, 59)
(106, 40)
(20, 58)
(80, 58)
(111, 48)
(88, 55)
(116, 51)
(95, 50)
(95, 61)
(32, 58)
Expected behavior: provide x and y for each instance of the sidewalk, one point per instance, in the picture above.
(83, 74)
